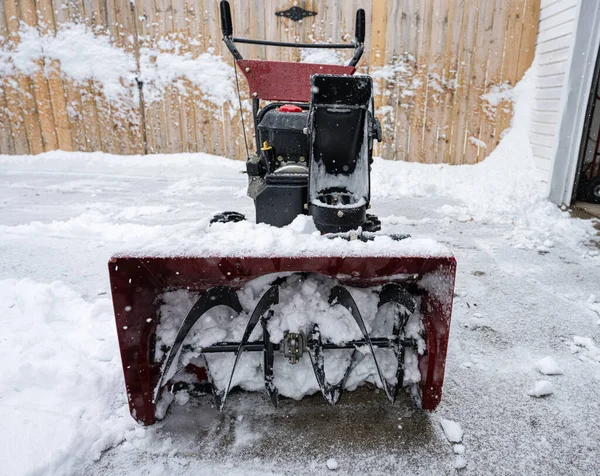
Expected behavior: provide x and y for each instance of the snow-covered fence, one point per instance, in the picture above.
(137, 76)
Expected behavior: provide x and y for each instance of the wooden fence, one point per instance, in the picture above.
(443, 70)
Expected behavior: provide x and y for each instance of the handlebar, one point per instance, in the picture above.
(230, 40)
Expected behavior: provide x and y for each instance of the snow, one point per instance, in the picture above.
(85, 55)
(504, 189)
(313, 55)
(458, 449)
(477, 142)
(303, 302)
(586, 348)
(332, 464)
(542, 388)
(460, 462)
(62, 397)
(452, 430)
(548, 366)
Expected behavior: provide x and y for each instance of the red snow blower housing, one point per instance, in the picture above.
(336, 318)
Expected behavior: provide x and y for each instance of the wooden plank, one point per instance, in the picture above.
(436, 82)
(418, 113)
(138, 129)
(528, 36)
(88, 112)
(389, 68)
(495, 59)
(225, 121)
(512, 42)
(159, 110)
(146, 25)
(257, 16)
(46, 26)
(24, 85)
(131, 114)
(72, 91)
(105, 15)
(474, 147)
(185, 103)
(459, 124)
(378, 42)
(450, 70)
(194, 18)
(40, 88)
(377, 60)
(404, 51)
(6, 140)
(219, 134)
(12, 128)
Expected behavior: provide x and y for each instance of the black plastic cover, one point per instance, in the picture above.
(284, 131)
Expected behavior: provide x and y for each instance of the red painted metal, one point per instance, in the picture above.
(136, 282)
(283, 81)
(290, 108)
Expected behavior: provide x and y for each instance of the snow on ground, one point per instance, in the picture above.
(527, 279)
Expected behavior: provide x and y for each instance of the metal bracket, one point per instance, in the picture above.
(295, 13)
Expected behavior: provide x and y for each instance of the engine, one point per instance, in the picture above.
(315, 158)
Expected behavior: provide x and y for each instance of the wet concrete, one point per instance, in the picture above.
(381, 438)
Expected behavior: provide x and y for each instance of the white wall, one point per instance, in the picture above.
(552, 56)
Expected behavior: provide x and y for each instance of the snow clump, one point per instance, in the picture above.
(548, 366)
(543, 388)
(452, 430)
(332, 464)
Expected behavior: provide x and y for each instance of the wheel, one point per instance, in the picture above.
(372, 224)
(592, 190)
(227, 217)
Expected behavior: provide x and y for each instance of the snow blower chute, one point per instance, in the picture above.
(356, 306)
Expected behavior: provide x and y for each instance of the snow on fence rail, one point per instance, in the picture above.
(152, 76)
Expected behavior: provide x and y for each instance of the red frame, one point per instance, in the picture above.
(137, 281)
(283, 81)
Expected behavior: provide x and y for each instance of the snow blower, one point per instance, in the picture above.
(338, 307)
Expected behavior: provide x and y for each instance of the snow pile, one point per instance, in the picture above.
(62, 396)
(543, 388)
(246, 238)
(85, 55)
(548, 366)
(506, 188)
(303, 302)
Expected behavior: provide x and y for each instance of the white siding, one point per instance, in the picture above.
(552, 56)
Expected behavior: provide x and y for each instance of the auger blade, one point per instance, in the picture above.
(219, 296)
(268, 361)
(405, 306)
(261, 311)
(340, 295)
(331, 393)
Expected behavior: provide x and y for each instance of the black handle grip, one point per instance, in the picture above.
(359, 34)
(227, 25)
